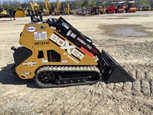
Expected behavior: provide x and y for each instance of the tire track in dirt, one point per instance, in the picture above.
(143, 75)
(142, 89)
(92, 98)
(143, 72)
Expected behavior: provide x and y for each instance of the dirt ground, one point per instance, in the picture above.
(127, 37)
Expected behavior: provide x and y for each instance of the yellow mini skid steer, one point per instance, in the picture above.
(56, 54)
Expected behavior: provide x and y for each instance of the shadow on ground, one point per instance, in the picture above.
(7, 78)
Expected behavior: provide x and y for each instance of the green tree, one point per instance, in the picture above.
(143, 2)
(92, 3)
(85, 3)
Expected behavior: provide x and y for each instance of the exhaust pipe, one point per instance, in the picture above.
(114, 72)
(13, 48)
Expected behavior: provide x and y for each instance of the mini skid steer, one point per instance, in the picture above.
(56, 54)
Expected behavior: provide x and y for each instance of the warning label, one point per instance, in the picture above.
(40, 35)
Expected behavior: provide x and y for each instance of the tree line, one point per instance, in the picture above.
(74, 3)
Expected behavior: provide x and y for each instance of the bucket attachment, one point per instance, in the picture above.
(113, 72)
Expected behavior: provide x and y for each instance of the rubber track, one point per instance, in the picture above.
(66, 69)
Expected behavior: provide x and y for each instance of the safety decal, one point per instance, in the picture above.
(31, 63)
(40, 35)
(71, 34)
(65, 25)
(26, 73)
(64, 61)
(44, 60)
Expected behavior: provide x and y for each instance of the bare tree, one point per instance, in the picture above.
(10, 4)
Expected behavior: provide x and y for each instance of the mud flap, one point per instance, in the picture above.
(113, 71)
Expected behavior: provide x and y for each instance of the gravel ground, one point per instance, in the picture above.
(127, 37)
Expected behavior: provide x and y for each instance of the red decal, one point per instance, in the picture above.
(84, 50)
(94, 50)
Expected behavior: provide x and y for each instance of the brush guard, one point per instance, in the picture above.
(114, 72)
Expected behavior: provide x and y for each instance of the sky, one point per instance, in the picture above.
(33, 0)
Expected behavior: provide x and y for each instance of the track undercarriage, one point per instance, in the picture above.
(60, 76)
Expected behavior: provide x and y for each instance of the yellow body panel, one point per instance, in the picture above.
(20, 13)
(47, 10)
(3, 11)
(101, 10)
(37, 37)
